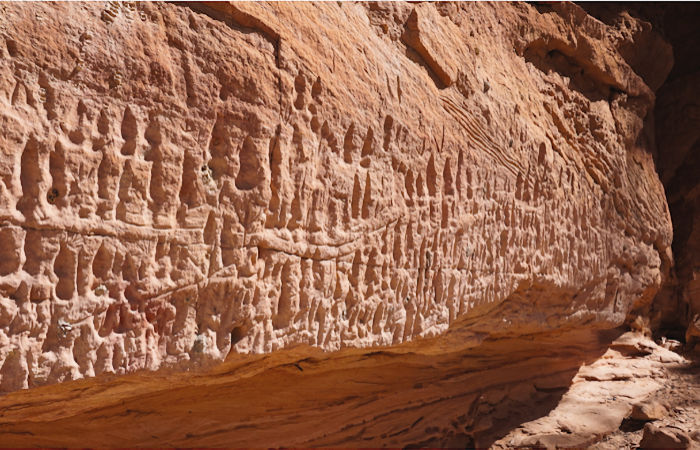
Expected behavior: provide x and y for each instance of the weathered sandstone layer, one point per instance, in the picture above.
(356, 398)
(180, 182)
(396, 224)
(676, 309)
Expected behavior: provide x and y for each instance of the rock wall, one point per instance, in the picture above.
(309, 398)
(179, 182)
(675, 119)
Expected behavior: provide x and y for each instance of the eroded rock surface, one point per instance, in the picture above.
(303, 397)
(180, 182)
(502, 393)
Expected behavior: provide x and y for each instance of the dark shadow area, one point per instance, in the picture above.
(418, 59)
(511, 413)
(691, 370)
(234, 19)
(630, 425)
(542, 7)
(676, 123)
(677, 22)
(548, 59)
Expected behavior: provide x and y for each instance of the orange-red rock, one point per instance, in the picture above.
(180, 182)
(399, 224)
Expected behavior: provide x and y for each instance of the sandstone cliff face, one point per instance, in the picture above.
(182, 182)
(677, 305)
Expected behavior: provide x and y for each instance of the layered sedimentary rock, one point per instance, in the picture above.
(182, 182)
(308, 398)
(504, 393)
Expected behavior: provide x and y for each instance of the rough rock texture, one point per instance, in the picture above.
(307, 398)
(676, 309)
(356, 398)
(179, 182)
(396, 224)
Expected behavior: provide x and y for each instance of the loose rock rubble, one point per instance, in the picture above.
(638, 394)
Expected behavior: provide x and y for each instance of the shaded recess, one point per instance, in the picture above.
(677, 160)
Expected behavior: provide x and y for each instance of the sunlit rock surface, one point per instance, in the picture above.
(347, 192)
